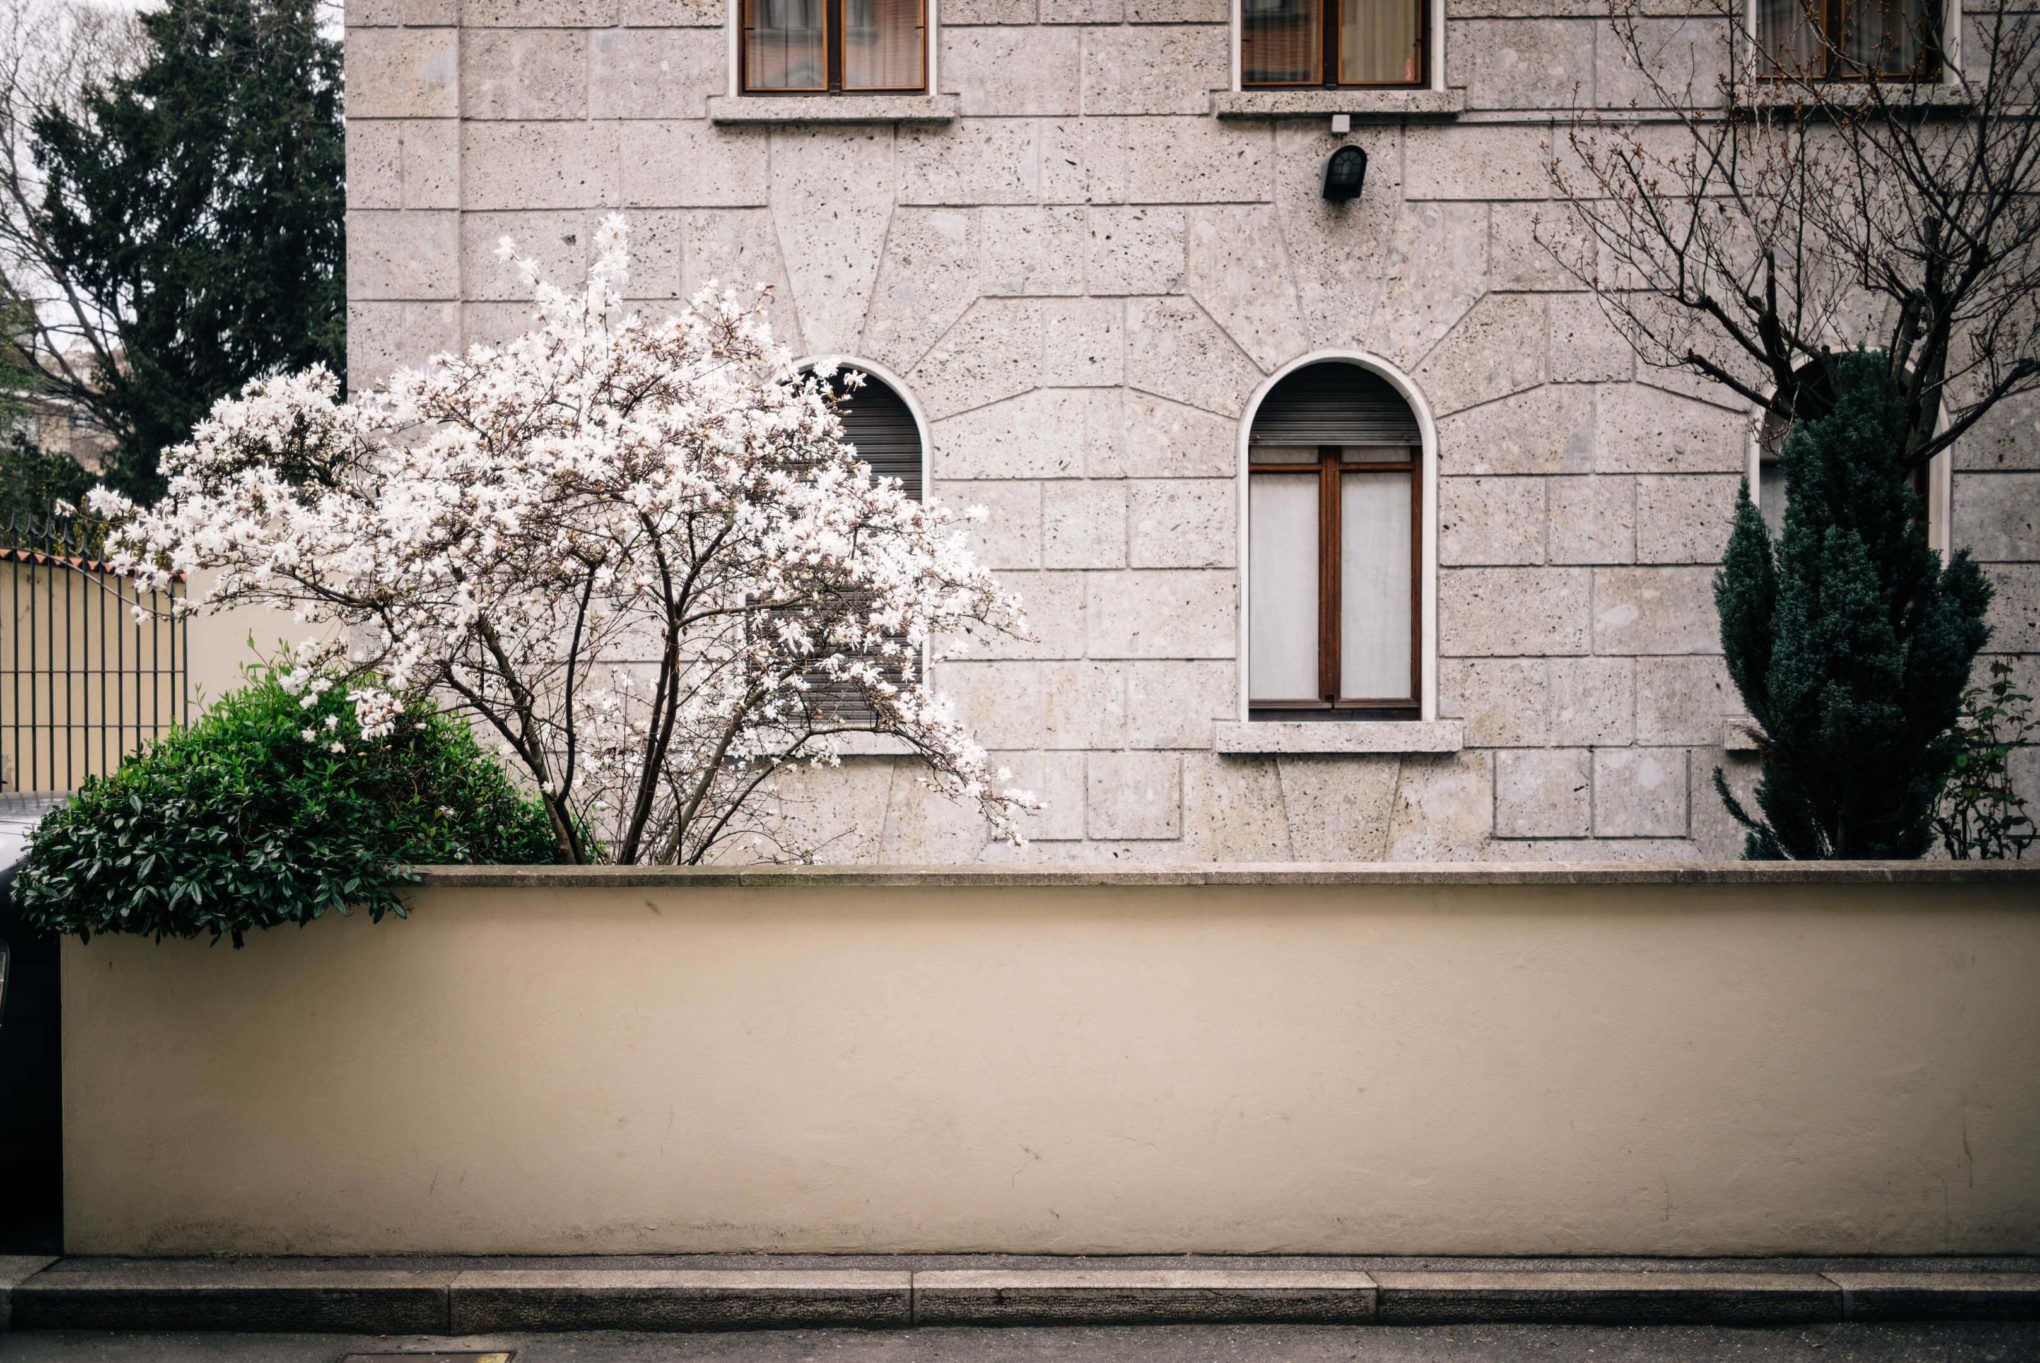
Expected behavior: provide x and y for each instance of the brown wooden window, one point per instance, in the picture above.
(1334, 549)
(818, 46)
(1336, 43)
(1851, 39)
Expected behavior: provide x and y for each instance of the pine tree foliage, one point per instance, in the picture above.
(197, 204)
(1850, 642)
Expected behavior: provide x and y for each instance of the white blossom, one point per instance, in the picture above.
(637, 554)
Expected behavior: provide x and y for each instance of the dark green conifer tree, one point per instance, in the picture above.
(198, 204)
(1849, 640)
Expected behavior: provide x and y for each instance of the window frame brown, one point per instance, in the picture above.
(1933, 65)
(1330, 466)
(1328, 56)
(832, 62)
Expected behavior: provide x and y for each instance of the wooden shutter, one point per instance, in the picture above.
(878, 422)
(1334, 403)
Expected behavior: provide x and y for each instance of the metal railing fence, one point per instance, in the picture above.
(83, 682)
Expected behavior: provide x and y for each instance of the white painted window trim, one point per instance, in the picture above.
(734, 24)
(1428, 564)
(1435, 56)
(1940, 484)
(1951, 41)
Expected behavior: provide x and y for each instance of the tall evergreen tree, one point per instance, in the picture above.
(198, 205)
(1849, 641)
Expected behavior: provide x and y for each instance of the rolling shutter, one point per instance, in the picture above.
(879, 425)
(1334, 403)
(877, 421)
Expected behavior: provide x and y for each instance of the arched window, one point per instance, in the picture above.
(881, 424)
(1767, 470)
(886, 431)
(1335, 548)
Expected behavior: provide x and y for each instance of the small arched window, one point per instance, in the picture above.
(882, 426)
(1335, 523)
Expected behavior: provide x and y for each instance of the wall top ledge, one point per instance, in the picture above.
(1235, 874)
(782, 109)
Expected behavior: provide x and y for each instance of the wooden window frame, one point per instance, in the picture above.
(1330, 466)
(832, 31)
(1328, 55)
(1832, 27)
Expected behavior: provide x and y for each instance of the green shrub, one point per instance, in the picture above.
(1848, 639)
(272, 809)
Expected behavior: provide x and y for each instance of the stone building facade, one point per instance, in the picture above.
(1084, 260)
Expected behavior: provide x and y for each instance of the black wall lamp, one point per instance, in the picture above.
(1345, 173)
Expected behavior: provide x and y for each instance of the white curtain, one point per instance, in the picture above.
(786, 45)
(882, 44)
(1282, 593)
(1374, 586)
(1378, 42)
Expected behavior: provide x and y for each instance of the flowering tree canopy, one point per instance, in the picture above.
(637, 552)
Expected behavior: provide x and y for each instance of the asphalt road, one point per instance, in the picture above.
(1912, 1343)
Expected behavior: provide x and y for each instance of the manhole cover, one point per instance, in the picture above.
(438, 1356)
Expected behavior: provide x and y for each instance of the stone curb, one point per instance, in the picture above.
(16, 1269)
(653, 1299)
(224, 1295)
(1146, 1296)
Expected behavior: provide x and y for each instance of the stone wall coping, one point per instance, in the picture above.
(781, 109)
(1366, 105)
(1238, 874)
(1333, 736)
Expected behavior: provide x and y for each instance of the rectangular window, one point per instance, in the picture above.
(1338, 43)
(849, 46)
(1332, 545)
(1851, 39)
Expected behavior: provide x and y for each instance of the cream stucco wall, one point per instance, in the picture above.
(1464, 1061)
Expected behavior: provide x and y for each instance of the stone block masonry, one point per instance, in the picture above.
(1081, 276)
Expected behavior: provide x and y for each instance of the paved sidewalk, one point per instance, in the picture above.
(2003, 1342)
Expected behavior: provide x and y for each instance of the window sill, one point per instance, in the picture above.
(1273, 737)
(1368, 106)
(855, 745)
(1943, 97)
(739, 109)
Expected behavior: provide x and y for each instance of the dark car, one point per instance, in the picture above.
(31, 1144)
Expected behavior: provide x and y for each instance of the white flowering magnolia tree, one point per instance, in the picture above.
(636, 552)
